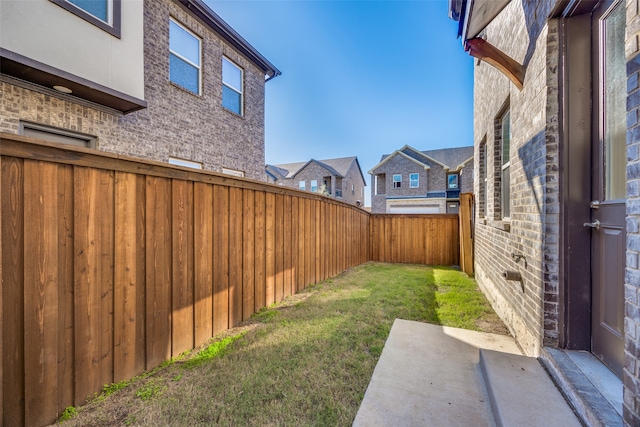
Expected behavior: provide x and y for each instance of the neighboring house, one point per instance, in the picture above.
(166, 80)
(556, 136)
(340, 178)
(411, 181)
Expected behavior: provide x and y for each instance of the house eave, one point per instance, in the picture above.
(199, 9)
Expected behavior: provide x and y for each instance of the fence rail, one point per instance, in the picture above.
(111, 266)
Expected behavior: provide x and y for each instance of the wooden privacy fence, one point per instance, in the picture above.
(111, 265)
(417, 239)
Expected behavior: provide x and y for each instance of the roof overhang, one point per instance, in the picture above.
(474, 15)
(27, 69)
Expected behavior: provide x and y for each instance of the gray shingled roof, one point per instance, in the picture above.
(339, 165)
(452, 157)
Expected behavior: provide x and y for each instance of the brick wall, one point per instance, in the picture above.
(176, 123)
(522, 32)
(315, 171)
(631, 372)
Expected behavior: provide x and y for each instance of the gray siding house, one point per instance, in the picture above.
(556, 137)
(341, 178)
(166, 80)
(411, 181)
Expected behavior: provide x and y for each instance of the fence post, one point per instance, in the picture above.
(466, 233)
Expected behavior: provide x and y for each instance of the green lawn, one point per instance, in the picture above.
(306, 361)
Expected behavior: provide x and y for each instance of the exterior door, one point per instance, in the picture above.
(608, 228)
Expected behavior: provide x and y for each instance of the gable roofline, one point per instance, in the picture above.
(400, 153)
(463, 164)
(408, 147)
(360, 170)
(320, 163)
(199, 9)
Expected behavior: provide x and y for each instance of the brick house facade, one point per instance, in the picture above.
(341, 178)
(556, 207)
(413, 181)
(169, 122)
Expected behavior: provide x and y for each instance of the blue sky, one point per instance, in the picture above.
(359, 78)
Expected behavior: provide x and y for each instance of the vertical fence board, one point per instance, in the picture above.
(93, 246)
(13, 291)
(41, 292)
(281, 247)
(182, 280)
(129, 282)
(260, 248)
(318, 246)
(248, 255)
(270, 248)
(203, 261)
(309, 237)
(65, 288)
(220, 259)
(235, 256)
(291, 256)
(158, 271)
(301, 247)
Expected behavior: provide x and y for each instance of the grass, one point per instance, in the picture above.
(306, 361)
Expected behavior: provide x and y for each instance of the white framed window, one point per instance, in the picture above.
(302, 185)
(104, 14)
(397, 181)
(233, 172)
(185, 163)
(414, 180)
(232, 91)
(314, 185)
(505, 161)
(185, 51)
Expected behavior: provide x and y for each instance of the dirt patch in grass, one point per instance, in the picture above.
(305, 361)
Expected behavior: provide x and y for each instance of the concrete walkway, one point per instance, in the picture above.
(430, 375)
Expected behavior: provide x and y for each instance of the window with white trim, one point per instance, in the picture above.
(314, 185)
(302, 185)
(185, 163)
(232, 98)
(397, 181)
(414, 180)
(233, 172)
(184, 57)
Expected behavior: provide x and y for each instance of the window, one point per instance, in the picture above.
(314, 185)
(397, 181)
(452, 181)
(231, 86)
(185, 163)
(505, 161)
(53, 134)
(233, 172)
(483, 179)
(302, 185)
(414, 180)
(353, 189)
(184, 57)
(104, 14)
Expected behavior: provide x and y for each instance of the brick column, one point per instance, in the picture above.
(631, 376)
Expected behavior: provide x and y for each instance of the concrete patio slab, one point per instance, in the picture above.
(429, 375)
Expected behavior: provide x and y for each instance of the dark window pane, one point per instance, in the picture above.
(183, 74)
(231, 100)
